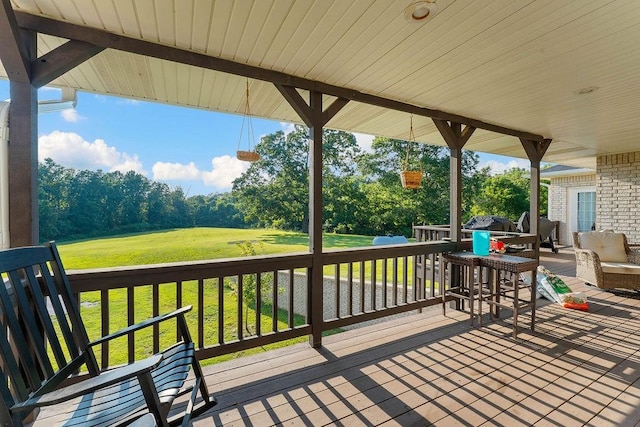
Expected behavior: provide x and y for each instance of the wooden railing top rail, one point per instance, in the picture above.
(334, 256)
(108, 278)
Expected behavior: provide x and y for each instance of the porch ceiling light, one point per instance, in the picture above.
(420, 11)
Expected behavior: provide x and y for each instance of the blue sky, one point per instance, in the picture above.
(191, 148)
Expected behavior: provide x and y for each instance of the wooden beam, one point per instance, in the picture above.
(297, 102)
(141, 47)
(333, 109)
(535, 149)
(13, 51)
(453, 134)
(315, 220)
(305, 111)
(456, 137)
(23, 165)
(64, 58)
(535, 152)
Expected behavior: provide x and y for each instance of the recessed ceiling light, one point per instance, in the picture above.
(420, 11)
(586, 90)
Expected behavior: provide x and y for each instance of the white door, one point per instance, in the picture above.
(581, 213)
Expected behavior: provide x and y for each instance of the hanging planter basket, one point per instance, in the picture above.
(410, 178)
(248, 155)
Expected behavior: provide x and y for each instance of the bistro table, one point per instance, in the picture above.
(462, 280)
(503, 285)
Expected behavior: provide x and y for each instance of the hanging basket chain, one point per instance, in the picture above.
(412, 139)
(410, 178)
(249, 155)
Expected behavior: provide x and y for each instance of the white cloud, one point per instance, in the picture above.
(71, 150)
(287, 128)
(364, 141)
(498, 167)
(224, 170)
(175, 171)
(70, 115)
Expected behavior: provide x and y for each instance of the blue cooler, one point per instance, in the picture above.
(481, 242)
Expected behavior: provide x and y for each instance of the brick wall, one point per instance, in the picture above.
(559, 199)
(618, 193)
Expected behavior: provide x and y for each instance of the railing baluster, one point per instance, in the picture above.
(338, 290)
(201, 313)
(394, 264)
(292, 281)
(275, 309)
(374, 283)
(432, 275)
(405, 279)
(220, 310)
(385, 297)
(362, 285)
(131, 321)
(258, 307)
(350, 289)
(240, 315)
(104, 307)
(155, 308)
(178, 305)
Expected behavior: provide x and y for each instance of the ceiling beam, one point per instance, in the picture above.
(304, 110)
(13, 51)
(60, 60)
(535, 149)
(119, 42)
(453, 133)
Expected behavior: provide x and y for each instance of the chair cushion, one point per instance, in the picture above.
(608, 245)
(620, 268)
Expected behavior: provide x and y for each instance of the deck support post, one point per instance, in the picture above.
(315, 118)
(456, 137)
(535, 151)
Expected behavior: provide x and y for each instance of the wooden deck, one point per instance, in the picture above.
(577, 368)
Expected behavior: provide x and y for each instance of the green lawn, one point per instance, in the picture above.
(189, 244)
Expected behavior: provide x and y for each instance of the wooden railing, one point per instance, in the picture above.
(359, 285)
(249, 302)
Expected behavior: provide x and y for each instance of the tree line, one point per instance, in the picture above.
(362, 193)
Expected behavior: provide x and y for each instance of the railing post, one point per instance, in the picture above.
(315, 225)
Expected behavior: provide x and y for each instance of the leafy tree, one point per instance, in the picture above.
(428, 204)
(53, 199)
(274, 191)
(506, 194)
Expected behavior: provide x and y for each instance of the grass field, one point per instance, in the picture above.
(181, 245)
(189, 244)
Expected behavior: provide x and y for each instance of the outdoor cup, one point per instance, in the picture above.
(481, 242)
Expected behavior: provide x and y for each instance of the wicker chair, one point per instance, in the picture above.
(602, 267)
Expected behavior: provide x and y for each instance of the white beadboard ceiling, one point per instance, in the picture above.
(512, 63)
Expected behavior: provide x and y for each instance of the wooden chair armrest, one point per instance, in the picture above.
(142, 325)
(106, 379)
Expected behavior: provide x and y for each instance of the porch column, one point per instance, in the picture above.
(455, 137)
(535, 151)
(315, 118)
(23, 165)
